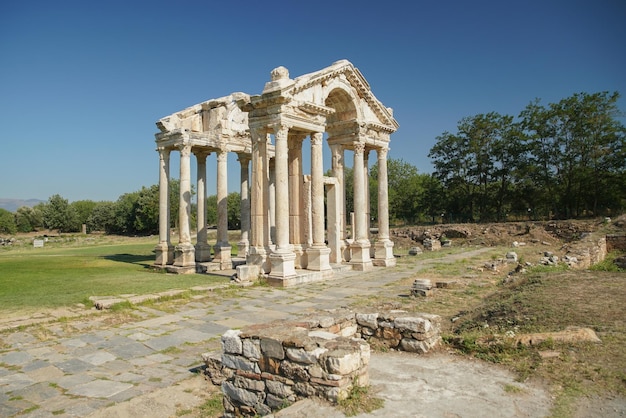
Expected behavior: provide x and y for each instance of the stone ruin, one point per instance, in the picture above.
(266, 367)
(293, 224)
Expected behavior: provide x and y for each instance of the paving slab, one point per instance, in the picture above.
(130, 350)
(16, 358)
(74, 366)
(45, 374)
(100, 389)
(15, 381)
(98, 358)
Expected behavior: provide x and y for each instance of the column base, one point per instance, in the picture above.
(222, 256)
(346, 252)
(203, 253)
(301, 258)
(283, 265)
(242, 249)
(257, 256)
(318, 258)
(361, 260)
(383, 254)
(184, 255)
(164, 254)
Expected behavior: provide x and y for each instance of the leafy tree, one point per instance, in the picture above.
(406, 190)
(7, 222)
(83, 209)
(28, 219)
(102, 217)
(578, 146)
(58, 214)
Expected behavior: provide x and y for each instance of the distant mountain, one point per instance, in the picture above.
(12, 204)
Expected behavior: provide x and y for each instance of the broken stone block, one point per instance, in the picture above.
(511, 257)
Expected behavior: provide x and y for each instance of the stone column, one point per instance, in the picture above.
(336, 208)
(222, 247)
(318, 253)
(184, 256)
(360, 247)
(338, 170)
(296, 205)
(282, 258)
(383, 248)
(259, 185)
(271, 210)
(164, 249)
(366, 179)
(244, 242)
(203, 249)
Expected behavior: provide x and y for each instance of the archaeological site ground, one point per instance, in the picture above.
(526, 328)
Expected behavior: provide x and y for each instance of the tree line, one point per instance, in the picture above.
(563, 160)
(135, 213)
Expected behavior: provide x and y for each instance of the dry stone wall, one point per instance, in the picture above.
(270, 366)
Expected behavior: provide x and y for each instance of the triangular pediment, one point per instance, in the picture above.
(312, 89)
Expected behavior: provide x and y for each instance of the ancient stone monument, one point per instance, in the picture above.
(293, 225)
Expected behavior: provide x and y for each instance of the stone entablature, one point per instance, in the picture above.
(286, 226)
(270, 366)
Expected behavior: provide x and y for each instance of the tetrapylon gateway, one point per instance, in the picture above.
(294, 226)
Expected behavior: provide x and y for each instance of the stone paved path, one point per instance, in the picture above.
(53, 370)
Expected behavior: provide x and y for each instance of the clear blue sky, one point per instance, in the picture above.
(82, 83)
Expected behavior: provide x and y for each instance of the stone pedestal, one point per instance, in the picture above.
(164, 254)
(361, 260)
(301, 258)
(203, 252)
(383, 254)
(283, 265)
(318, 258)
(184, 256)
(222, 256)
(243, 248)
(257, 256)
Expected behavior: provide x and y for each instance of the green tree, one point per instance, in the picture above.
(58, 214)
(83, 209)
(7, 222)
(578, 148)
(406, 190)
(28, 219)
(234, 210)
(102, 217)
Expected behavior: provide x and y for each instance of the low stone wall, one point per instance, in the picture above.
(586, 252)
(616, 243)
(270, 366)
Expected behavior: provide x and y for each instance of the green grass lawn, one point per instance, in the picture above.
(54, 276)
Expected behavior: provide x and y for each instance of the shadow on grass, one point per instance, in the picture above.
(143, 260)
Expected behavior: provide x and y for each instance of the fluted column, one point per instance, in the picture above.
(281, 182)
(296, 194)
(383, 249)
(203, 250)
(336, 208)
(244, 241)
(164, 249)
(184, 252)
(259, 195)
(366, 180)
(271, 206)
(282, 258)
(318, 254)
(361, 245)
(222, 247)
